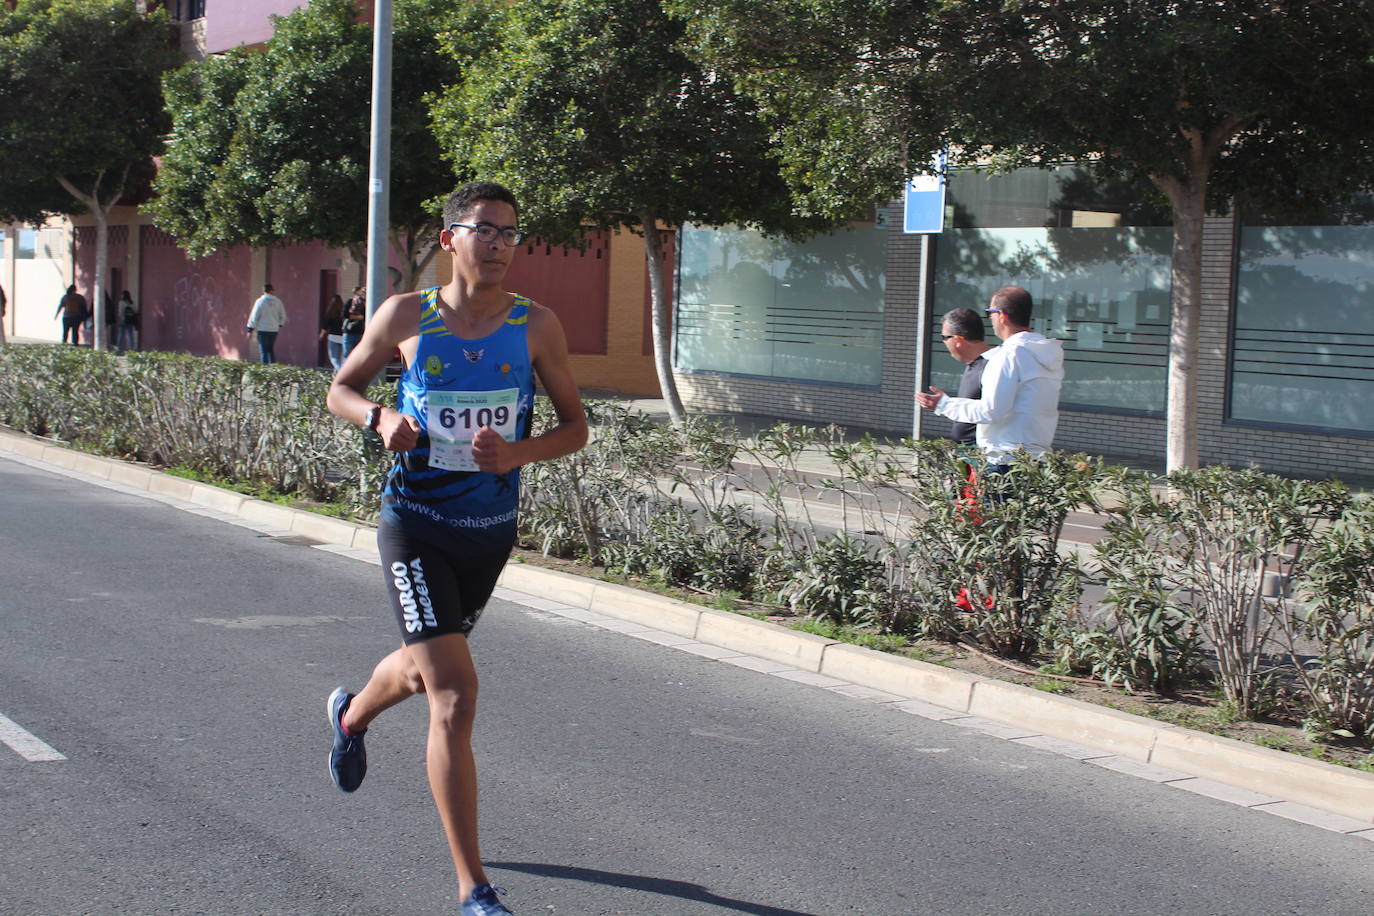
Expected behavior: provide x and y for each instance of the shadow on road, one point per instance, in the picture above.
(667, 888)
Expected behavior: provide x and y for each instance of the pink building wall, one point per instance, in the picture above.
(573, 284)
(245, 22)
(296, 274)
(118, 240)
(194, 306)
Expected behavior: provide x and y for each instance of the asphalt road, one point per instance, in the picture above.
(180, 666)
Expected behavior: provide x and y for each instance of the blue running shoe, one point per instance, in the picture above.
(348, 757)
(482, 902)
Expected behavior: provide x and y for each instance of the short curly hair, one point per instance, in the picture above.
(459, 205)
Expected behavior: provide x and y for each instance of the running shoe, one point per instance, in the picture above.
(348, 757)
(482, 902)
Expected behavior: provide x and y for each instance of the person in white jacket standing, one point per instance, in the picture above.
(1019, 408)
(267, 318)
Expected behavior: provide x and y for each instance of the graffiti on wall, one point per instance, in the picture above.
(196, 298)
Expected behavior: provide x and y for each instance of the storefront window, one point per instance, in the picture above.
(810, 311)
(25, 243)
(1303, 351)
(1096, 258)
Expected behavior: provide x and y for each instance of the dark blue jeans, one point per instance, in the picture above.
(996, 485)
(267, 342)
(72, 323)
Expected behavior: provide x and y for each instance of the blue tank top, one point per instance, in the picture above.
(453, 387)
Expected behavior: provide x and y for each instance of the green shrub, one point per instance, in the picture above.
(267, 425)
(838, 582)
(1206, 549)
(1150, 641)
(989, 570)
(1338, 620)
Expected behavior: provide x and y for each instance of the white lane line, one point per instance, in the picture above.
(25, 744)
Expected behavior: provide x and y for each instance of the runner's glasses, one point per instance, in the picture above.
(487, 233)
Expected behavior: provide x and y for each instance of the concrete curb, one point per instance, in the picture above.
(1275, 774)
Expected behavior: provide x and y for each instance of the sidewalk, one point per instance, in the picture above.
(1323, 795)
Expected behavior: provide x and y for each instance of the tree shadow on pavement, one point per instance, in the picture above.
(663, 886)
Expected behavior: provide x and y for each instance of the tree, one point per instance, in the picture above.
(1208, 101)
(273, 145)
(595, 118)
(80, 112)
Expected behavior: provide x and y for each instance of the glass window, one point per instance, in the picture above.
(1303, 351)
(808, 310)
(1096, 258)
(3, 250)
(26, 240)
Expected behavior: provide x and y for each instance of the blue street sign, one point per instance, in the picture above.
(925, 201)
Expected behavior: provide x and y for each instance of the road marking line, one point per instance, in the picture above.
(25, 744)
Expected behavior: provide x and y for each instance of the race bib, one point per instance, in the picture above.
(453, 418)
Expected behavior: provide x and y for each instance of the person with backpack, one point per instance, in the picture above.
(128, 323)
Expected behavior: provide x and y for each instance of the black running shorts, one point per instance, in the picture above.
(434, 590)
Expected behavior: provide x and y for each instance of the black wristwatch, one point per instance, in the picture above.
(374, 413)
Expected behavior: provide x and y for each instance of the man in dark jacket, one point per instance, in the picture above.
(72, 308)
(962, 330)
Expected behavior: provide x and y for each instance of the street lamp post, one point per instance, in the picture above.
(379, 187)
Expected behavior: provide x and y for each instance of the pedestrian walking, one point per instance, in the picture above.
(355, 320)
(962, 331)
(267, 318)
(72, 308)
(1018, 410)
(1019, 404)
(331, 331)
(460, 428)
(111, 319)
(128, 323)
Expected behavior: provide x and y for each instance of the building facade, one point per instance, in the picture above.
(828, 331)
(201, 305)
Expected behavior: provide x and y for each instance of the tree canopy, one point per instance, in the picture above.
(1260, 100)
(81, 111)
(80, 101)
(593, 114)
(273, 145)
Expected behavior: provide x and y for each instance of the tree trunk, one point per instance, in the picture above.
(416, 248)
(358, 252)
(1188, 199)
(662, 317)
(101, 211)
(102, 262)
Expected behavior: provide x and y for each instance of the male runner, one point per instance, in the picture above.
(461, 429)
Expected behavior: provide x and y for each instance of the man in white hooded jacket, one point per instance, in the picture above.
(1019, 408)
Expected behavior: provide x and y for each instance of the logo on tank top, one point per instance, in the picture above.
(474, 356)
(434, 365)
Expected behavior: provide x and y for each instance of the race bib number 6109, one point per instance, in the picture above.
(453, 418)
